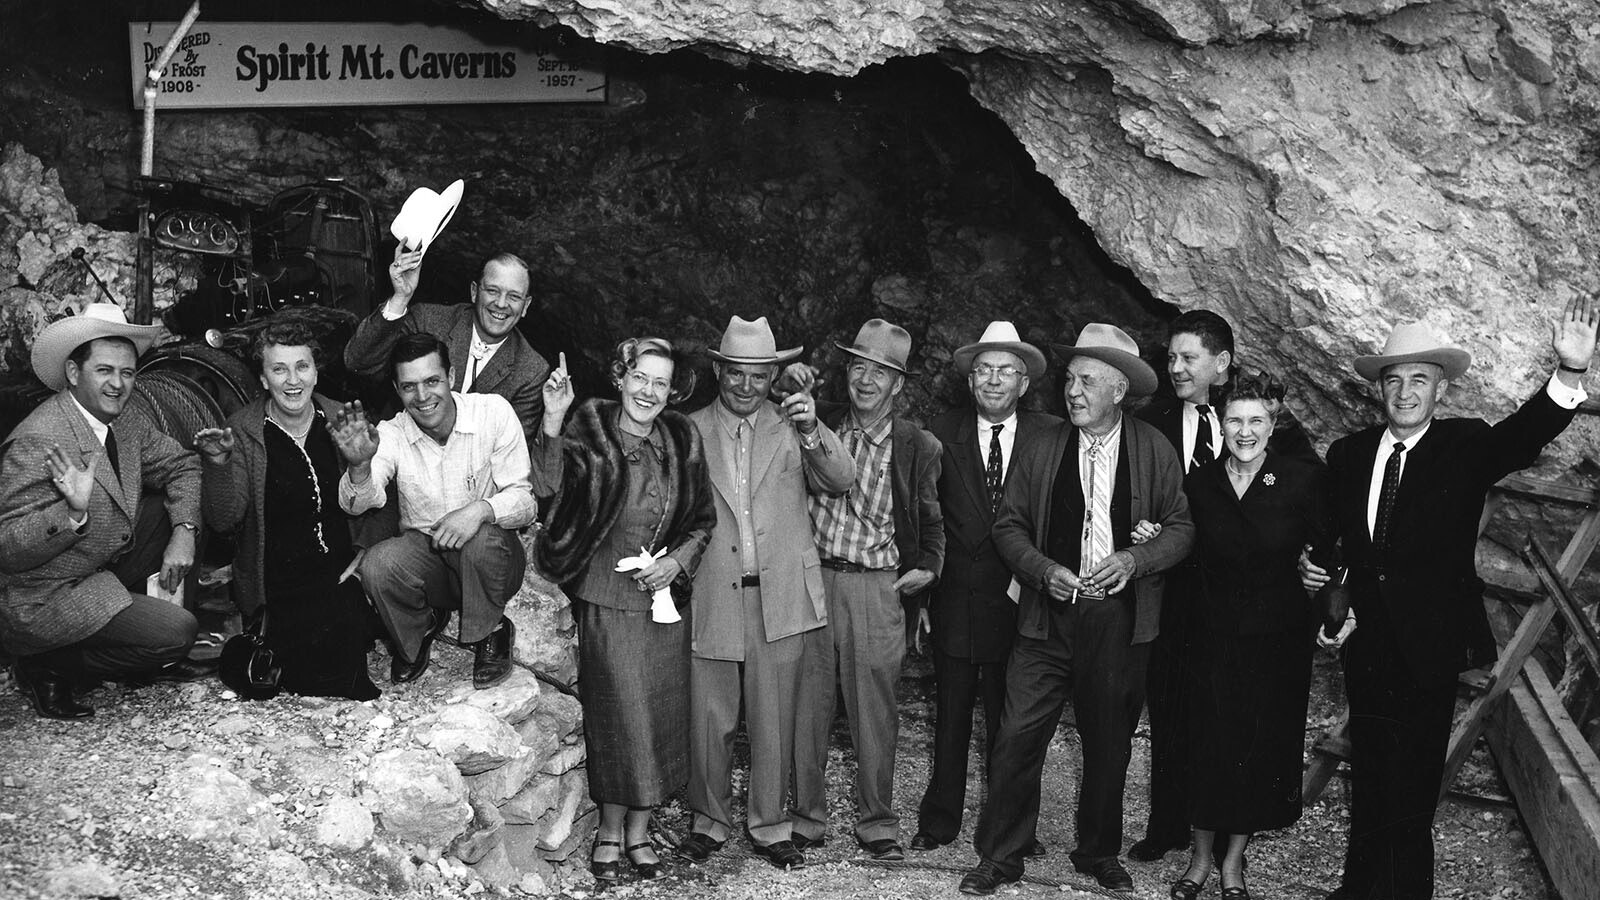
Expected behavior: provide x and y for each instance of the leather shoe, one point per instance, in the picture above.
(491, 657)
(923, 841)
(801, 842)
(781, 854)
(643, 868)
(183, 670)
(611, 869)
(698, 847)
(984, 879)
(1108, 872)
(887, 849)
(1035, 849)
(49, 692)
(1149, 849)
(402, 672)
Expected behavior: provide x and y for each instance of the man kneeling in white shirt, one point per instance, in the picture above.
(461, 465)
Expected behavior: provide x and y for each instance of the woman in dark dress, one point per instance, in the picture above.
(271, 478)
(627, 476)
(1253, 512)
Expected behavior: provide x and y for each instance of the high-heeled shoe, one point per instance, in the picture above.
(1236, 893)
(1185, 889)
(609, 870)
(645, 870)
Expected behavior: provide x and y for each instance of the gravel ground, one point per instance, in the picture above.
(84, 811)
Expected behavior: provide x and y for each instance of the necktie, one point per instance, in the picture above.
(111, 454)
(1386, 496)
(1097, 512)
(992, 476)
(1202, 438)
(478, 352)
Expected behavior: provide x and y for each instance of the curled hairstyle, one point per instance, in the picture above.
(1255, 384)
(627, 359)
(284, 333)
(416, 345)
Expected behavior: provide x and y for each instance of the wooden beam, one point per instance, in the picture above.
(1571, 611)
(1547, 491)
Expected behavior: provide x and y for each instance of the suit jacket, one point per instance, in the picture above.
(517, 371)
(1248, 548)
(1425, 589)
(236, 495)
(54, 585)
(1155, 492)
(914, 470)
(972, 616)
(1288, 438)
(792, 598)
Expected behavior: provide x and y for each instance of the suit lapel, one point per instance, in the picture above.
(969, 468)
(497, 368)
(90, 446)
(716, 456)
(1363, 453)
(461, 347)
(768, 433)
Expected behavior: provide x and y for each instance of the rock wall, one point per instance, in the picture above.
(1313, 170)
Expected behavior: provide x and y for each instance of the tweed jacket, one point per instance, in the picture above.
(792, 597)
(54, 585)
(972, 616)
(1424, 590)
(236, 493)
(914, 469)
(517, 371)
(1155, 493)
(584, 470)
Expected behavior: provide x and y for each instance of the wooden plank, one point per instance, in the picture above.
(1326, 754)
(1547, 491)
(1553, 774)
(1571, 612)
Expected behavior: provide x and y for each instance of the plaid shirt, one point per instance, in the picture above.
(858, 525)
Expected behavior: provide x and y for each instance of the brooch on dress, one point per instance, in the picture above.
(1269, 479)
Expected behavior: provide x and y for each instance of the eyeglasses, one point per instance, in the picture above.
(640, 381)
(984, 372)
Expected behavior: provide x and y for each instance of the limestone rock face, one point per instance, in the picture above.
(1314, 171)
(344, 823)
(472, 738)
(419, 795)
(221, 805)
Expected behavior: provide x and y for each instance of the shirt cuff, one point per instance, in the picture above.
(1565, 397)
(391, 316)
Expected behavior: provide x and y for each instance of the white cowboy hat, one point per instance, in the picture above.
(1112, 346)
(751, 343)
(425, 214)
(98, 320)
(1415, 342)
(1001, 335)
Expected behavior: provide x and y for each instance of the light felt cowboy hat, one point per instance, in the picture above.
(98, 320)
(751, 343)
(1111, 345)
(881, 342)
(1414, 342)
(1001, 335)
(425, 214)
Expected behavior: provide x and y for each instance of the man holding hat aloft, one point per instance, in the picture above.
(973, 611)
(70, 522)
(1090, 605)
(1408, 496)
(757, 591)
(881, 541)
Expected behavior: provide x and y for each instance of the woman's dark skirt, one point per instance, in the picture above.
(1247, 724)
(633, 676)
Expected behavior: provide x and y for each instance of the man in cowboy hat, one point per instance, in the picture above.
(881, 541)
(70, 522)
(491, 356)
(758, 589)
(1091, 601)
(972, 611)
(1200, 361)
(1408, 496)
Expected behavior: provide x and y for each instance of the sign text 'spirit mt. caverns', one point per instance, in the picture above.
(338, 64)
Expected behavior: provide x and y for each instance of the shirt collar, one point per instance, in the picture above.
(730, 422)
(99, 428)
(1410, 442)
(1112, 437)
(1009, 423)
(878, 433)
(463, 425)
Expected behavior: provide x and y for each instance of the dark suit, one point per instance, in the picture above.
(974, 622)
(516, 372)
(1170, 675)
(1421, 621)
(1093, 651)
(62, 592)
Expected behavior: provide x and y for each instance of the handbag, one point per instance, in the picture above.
(248, 666)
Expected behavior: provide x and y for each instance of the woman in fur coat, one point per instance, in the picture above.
(629, 479)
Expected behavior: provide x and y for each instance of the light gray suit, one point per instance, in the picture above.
(746, 640)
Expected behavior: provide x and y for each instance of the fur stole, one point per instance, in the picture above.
(593, 489)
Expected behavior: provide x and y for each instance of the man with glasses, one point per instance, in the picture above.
(492, 356)
(461, 465)
(972, 613)
(880, 541)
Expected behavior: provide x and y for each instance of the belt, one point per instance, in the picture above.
(750, 581)
(844, 565)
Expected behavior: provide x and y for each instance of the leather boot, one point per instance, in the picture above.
(49, 691)
(491, 657)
